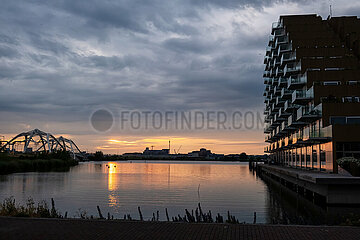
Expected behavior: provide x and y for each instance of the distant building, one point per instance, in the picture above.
(162, 152)
(312, 91)
(205, 154)
(132, 154)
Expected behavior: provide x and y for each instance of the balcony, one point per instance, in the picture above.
(277, 132)
(277, 62)
(279, 32)
(279, 101)
(291, 69)
(270, 64)
(274, 54)
(279, 119)
(276, 25)
(279, 72)
(266, 59)
(267, 80)
(322, 133)
(286, 94)
(283, 113)
(317, 135)
(277, 91)
(281, 40)
(269, 139)
(284, 48)
(271, 72)
(286, 128)
(271, 113)
(271, 39)
(269, 88)
(282, 82)
(267, 100)
(308, 114)
(296, 82)
(272, 98)
(275, 108)
(275, 122)
(294, 124)
(268, 50)
(302, 97)
(297, 139)
(267, 130)
(274, 81)
(266, 149)
(288, 57)
(289, 107)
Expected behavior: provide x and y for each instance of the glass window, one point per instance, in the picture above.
(339, 155)
(322, 156)
(337, 120)
(332, 83)
(355, 147)
(353, 120)
(339, 147)
(347, 147)
(314, 156)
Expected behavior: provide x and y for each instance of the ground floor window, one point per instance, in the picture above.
(348, 149)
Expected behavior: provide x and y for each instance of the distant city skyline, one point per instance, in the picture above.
(60, 62)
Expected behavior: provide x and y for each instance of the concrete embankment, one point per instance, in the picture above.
(322, 188)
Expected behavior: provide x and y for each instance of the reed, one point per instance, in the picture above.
(9, 207)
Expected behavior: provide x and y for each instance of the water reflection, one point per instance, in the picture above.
(287, 207)
(120, 187)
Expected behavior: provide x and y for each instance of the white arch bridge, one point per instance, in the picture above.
(39, 141)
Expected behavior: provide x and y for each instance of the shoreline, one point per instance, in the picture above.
(55, 162)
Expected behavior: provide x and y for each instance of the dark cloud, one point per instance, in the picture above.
(242, 3)
(8, 52)
(63, 59)
(188, 45)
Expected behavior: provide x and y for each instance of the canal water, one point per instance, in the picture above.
(120, 187)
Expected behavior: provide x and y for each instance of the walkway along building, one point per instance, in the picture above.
(312, 91)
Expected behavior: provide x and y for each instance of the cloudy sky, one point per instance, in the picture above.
(62, 60)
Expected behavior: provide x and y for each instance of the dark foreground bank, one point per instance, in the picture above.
(37, 228)
(39, 162)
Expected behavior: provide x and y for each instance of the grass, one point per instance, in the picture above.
(30, 209)
(58, 161)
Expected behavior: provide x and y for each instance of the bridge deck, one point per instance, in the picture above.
(26, 228)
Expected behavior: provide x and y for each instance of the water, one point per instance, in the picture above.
(120, 187)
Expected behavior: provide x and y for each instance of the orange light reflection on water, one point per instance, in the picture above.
(162, 176)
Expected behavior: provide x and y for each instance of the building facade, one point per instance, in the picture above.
(312, 91)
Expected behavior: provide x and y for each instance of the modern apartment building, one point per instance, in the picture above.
(312, 91)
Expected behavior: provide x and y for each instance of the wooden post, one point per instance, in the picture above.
(167, 215)
(100, 215)
(141, 216)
